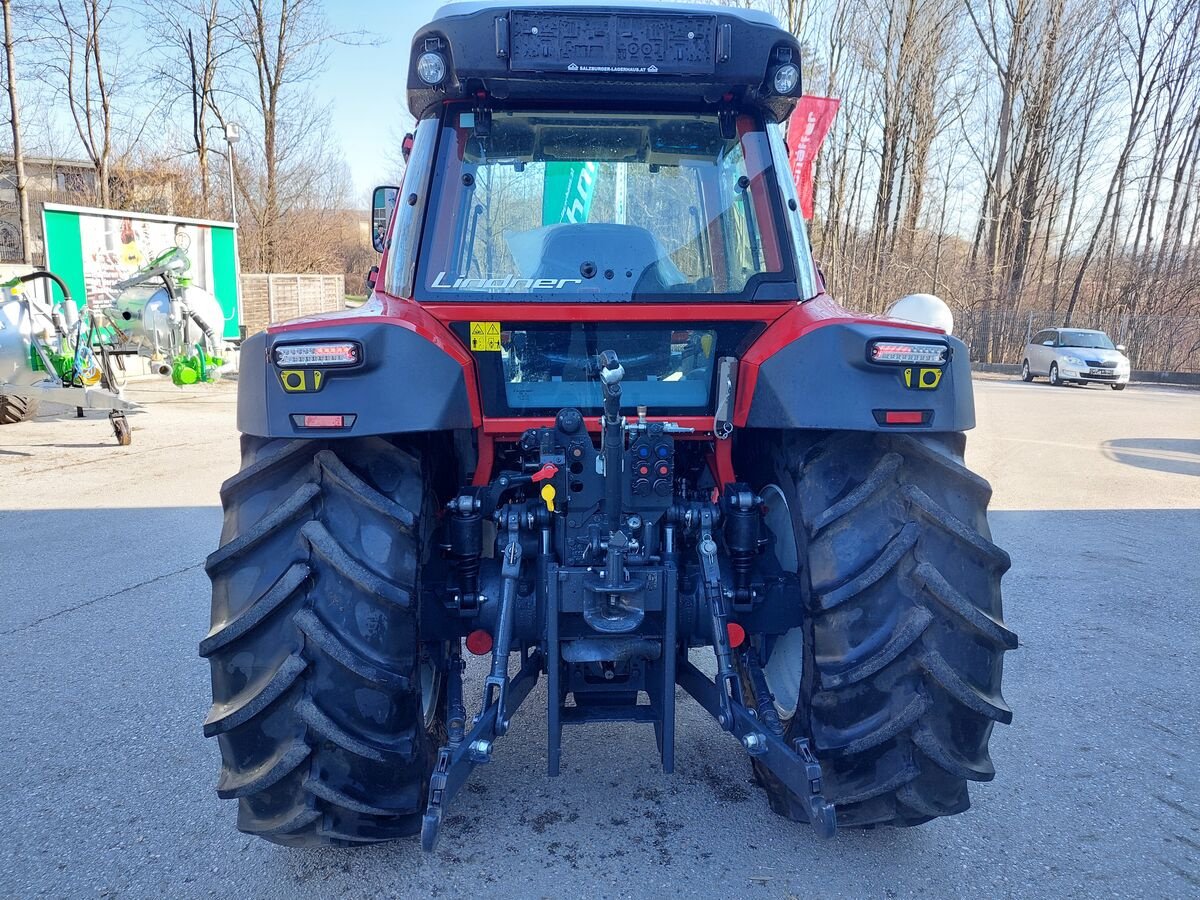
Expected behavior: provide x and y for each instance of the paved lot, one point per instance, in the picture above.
(108, 784)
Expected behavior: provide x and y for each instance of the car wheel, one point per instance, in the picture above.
(1054, 379)
(1026, 375)
(1117, 387)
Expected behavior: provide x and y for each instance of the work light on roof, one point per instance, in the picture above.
(431, 68)
(786, 79)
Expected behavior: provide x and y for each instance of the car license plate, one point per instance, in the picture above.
(1101, 371)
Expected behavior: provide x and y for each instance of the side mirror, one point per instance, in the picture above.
(406, 146)
(1120, 348)
(383, 201)
(1047, 343)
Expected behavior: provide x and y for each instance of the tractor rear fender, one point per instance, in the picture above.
(811, 369)
(412, 375)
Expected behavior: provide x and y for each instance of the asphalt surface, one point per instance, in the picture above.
(108, 783)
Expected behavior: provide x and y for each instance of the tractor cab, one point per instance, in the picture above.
(587, 155)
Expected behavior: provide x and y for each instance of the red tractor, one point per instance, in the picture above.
(599, 412)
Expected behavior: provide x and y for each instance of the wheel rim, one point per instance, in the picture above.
(784, 668)
(1053, 374)
(427, 673)
(1025, 371)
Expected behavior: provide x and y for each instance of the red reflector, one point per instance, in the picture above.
(903, 417)
(737, 634)
(479, 642)
(324, 421)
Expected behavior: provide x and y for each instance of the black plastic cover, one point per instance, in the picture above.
(824, 380)
(632, 54)
(404, 384)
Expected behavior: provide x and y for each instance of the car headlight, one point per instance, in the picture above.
(1074, 361)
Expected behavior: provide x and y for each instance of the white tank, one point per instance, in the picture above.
(923, 309)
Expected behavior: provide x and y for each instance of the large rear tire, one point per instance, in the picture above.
(317, 667)
(14, 409)
(898, 666)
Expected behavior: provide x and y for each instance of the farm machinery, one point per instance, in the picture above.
(56, 351)
(600, 422)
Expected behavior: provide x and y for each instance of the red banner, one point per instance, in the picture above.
(806, 130)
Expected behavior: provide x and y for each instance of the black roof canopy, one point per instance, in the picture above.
(625, 55)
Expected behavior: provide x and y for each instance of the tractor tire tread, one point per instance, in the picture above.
(314, 646)
(906, 636)
(14, 409)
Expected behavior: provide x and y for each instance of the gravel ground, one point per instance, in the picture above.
(109, 783)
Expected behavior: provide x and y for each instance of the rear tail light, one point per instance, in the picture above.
(324, 420)
(325, 353)
(903, 416)
(907, 353)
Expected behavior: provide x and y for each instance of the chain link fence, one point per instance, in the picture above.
(1153, 343)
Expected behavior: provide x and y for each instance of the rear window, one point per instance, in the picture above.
(541, 367)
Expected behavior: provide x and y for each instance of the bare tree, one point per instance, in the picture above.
(15, 121)
(81, 35)
(193, 37)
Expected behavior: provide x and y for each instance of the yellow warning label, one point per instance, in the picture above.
(485, 335)
(923, 379)
(302, 381)
(295, 381)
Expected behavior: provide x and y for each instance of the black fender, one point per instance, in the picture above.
(404, 383)
(824, 379)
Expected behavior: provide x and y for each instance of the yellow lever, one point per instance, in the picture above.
(548, 494)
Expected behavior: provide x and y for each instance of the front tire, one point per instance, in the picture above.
(1026, 374)
(899, 682)
(314, 653)
(1054, 379)
(1117, 387)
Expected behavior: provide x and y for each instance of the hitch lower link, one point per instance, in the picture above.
(501, 697)
(758, 727)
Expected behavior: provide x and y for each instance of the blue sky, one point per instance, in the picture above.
(365, 85)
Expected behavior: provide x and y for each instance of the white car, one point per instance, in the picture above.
(1079, 355)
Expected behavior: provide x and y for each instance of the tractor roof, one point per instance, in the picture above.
(629, 55)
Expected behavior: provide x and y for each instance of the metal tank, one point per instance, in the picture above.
(154, 322)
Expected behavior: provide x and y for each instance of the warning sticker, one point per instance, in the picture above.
(485, 335)
(922, 379)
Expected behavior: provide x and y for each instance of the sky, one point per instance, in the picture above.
(365, 86)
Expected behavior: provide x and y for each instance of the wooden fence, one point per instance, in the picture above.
(276, 298)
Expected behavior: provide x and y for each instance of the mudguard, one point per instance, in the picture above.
(816, 374)
(409, 379)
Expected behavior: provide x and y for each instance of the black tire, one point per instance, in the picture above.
(1054, 379)
(14, 409)
(1117, 387)
(904, 645)
(313, 650)
(1026, 374)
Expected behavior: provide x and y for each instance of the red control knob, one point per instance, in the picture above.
(545, 473)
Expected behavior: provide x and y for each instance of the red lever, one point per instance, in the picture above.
(545, 473)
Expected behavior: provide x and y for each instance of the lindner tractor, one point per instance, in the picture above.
(598, 418)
